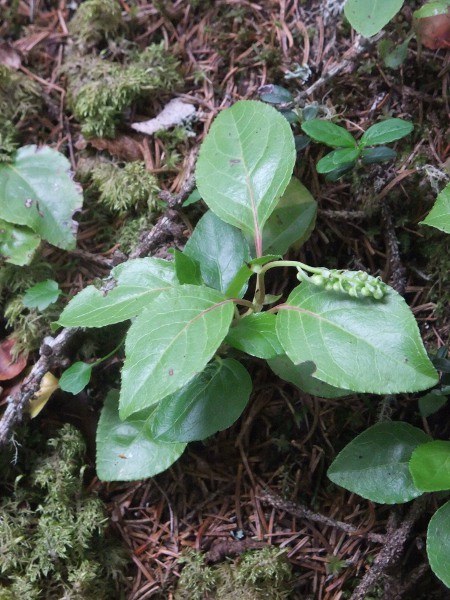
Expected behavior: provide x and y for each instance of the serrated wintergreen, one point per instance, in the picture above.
(127, 450)
(375, 464)
(245, 164)
(430, 466)
(292, 221)
(219, 248)
(211, 402)
(187, 268)
(438, 543)
(302, 377)
(439, 215)
(256, 335)
(132, 286)
(170, 342)
(360, 344)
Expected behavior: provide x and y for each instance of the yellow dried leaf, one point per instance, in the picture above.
(49, 384)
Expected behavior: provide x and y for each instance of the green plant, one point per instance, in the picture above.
(194, 316)
(100, 90)
(348, 151)
(439, 216)
(369, 17)
(257, 575)
(28, 212)
(53, 535)
(126, 188)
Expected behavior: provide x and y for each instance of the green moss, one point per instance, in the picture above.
(130, 232)
(257, 575)
(95, 21)
(99, 91)
(125, 188)
(53, 535)
(20, 99)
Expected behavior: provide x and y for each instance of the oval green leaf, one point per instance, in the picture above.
(329, 133)
(170, 342)
(301, 376)
(37, 191)
(17, 244)
(370, 16)
(75, 378)
(211, 402)
(338, 159)
(219, 248)
(431, 9)
(187, 268)
(256, 335)
(126, 450)
(430, 466)
(41, 295)
(431, 403)
(371, 156)
(245, 164)
(292, 221)
(126, 293)
(439, 216)
(359, 344)
(385, 132)
(438, 543)
(375, 464)
(275, 94)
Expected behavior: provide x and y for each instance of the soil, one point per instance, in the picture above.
(266, 475)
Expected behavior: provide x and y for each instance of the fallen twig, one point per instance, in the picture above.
(298, 510)
(391, 551)
(50, 351)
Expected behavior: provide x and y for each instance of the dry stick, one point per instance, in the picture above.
(359, 46)
(51, 352)
(398, 276)
(343, 215)
(166, 225)
(297, 510)
(391, 551)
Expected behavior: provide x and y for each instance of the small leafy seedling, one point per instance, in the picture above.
(42, 295)
(369, 149)
(195, 316)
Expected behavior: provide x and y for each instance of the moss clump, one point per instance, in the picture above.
(99, 91)
(125, 188)
(95, 21)
(53, 535)
(258, 575)
(20, 99)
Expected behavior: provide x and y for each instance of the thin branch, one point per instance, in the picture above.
(51, 352)
(391, 551)
(297, 510)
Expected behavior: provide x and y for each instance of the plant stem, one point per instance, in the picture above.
(100, 360)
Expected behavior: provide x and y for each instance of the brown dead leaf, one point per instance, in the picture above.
(123, 147)
(9, 56)
(9, 368)
(434, 32)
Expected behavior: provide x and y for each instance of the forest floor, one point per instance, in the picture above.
(264, 479)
